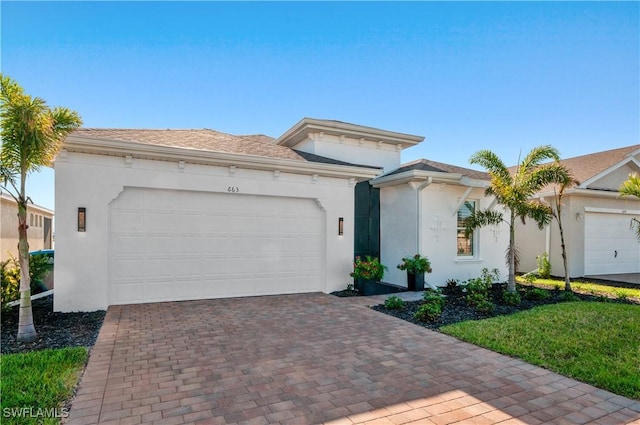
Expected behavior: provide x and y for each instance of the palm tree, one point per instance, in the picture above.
(514, 192)
(32, 134)
(631, 187)
(556, 212)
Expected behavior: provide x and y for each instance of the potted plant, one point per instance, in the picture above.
(416, 267)
(366, 273)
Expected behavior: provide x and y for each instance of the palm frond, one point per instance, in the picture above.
(481, 218)
(631, 186)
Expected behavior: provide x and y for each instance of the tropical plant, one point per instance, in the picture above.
(556, 213)
(394, 302)
(370, 268)
(514, 191)
(416, 264)
(32, 135)
(631, 187)
(544, 266)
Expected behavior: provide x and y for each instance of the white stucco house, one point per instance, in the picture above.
(596, 219)
(166, 215)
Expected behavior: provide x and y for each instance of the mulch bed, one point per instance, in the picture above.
(457, 310)
(54, 329)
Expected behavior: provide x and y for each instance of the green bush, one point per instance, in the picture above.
(428, 312)
(9, 281)
(569, 296)
(485, 307)
(544, 266)
(394, 303)
(10, 277)
(433, 296)
(511, 298)
(537, 294)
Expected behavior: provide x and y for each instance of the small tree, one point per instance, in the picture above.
(32, 135)
(514, 192)
(556, 212)
(631, 187)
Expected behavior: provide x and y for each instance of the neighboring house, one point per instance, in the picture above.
(163, 215)
(39, 233)
(596, 219)
(423, 205)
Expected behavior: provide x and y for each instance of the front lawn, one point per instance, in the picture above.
(35, 385)
(597, 343)
(586, 287)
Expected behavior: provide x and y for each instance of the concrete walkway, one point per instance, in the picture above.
(312, 359)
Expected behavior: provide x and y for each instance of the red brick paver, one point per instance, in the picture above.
(312, 359)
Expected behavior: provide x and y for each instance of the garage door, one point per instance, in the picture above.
(610, 245)
(182, 245)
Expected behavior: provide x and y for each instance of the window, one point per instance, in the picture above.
(30, 219)
(466, 244)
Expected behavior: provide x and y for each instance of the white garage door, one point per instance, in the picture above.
(180, 245)
(610, 245)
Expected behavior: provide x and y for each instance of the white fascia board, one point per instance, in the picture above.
(611, 211)
(417, 175)
(301, 130)
(585, 184)
(198, 156)
(593, 193)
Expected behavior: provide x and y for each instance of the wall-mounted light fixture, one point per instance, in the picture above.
(579, 216)
(82, 219)
(340, 226)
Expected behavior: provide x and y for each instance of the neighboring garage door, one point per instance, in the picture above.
(170, 245)
(610, 244)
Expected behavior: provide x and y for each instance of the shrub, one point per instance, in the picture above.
(485, 307)
(569, 296)
(416, 264)
(10, 277)
(511, 298)
(544, 266)
(452, 284)
(433, 296)
(537, 294)
(9, 281)
(394, 303)
(369, 268)
(428, 312)
(622, 295)
(530, 277)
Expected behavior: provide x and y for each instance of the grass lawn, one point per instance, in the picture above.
(586, 288)
(35, 385)
(597, 343)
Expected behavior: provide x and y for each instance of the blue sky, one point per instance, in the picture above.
(505, 76)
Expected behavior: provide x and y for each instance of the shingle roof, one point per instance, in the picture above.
(585, 167)
(202, 139)
(427, 165)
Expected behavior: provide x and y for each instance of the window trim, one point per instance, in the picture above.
(475, 246)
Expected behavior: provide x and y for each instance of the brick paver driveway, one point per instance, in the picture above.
(310, 359)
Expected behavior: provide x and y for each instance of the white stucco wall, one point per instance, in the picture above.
(438, 240)
(532, 242)
(365, 152)
(93, 181)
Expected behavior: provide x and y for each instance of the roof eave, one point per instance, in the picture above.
(301, 130)
(421, 175)
(199, 156)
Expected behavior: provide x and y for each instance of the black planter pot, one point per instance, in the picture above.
(415, 282)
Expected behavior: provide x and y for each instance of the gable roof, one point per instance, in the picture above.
(586, 167)
(439, 167)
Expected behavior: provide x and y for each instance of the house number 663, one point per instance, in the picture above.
(233, 189)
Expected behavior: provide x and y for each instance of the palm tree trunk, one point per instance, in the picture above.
(565, 260)
(26, 328)
(511, 284)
